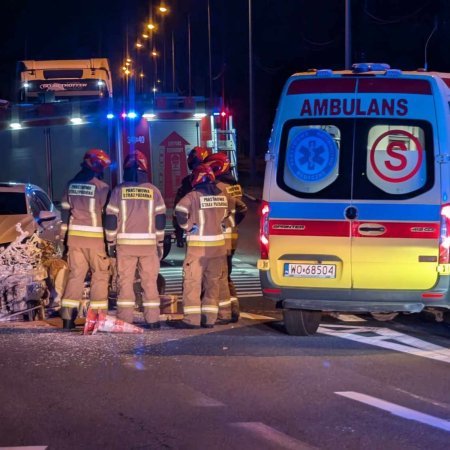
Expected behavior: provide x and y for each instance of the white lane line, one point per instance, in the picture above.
(197, 398)
(397, 410)
(384, 338)
(251, 316)
(424, 399)
(350, 318)
(39, 447)
(267, 433)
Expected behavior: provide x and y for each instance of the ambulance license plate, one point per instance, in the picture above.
(310, 270)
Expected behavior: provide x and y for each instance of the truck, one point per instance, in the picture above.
(64, 79)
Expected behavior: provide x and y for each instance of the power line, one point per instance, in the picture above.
(381, 21)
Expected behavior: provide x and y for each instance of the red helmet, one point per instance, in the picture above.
(219, 162)
(138, 159)
(202, 174)
(196, 156)
(96, 160)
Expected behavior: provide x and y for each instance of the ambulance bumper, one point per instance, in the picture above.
(356, 300)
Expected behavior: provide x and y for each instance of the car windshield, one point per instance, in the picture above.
(12, 203)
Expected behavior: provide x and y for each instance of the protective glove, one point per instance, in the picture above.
(194, 229)
(111, 249)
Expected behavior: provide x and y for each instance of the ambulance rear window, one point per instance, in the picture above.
(356, 159)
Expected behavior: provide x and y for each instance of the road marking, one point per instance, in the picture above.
(397, 410)
(350, 318)
(251, 316)
(197, 398)
(272, 435)
(384, 337)
(424, 399)
(39, 447)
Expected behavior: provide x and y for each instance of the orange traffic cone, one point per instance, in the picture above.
(112, 325)
(91, 320)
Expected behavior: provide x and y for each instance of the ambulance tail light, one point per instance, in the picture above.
(444, 240)
(264, 230)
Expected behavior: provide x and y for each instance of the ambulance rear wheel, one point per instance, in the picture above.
(301, 322)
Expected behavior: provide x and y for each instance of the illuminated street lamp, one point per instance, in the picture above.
(163, 8)
(151, 26)
(139, 44)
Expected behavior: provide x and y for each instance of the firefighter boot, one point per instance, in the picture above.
(68, 324)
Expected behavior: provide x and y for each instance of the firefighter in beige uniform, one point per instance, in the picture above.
(135, 222)
(82, 207)
(229, 303)
(202, 213)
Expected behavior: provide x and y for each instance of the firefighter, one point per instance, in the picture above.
(220, 163)
(83, 204)
(195, 157)
(135, 222)
(202, 213)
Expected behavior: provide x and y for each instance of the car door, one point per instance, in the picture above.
(47, 218)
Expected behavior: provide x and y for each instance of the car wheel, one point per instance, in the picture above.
(301, 322)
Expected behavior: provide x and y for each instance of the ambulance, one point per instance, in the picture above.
(356, 200)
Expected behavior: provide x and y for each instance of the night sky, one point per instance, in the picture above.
(288, 36)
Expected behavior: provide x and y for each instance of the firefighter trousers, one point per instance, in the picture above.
(233, 293)
(80, 260)
(201, 288)
(148, 268)
(224, 294)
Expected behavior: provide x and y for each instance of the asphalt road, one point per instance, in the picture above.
(357, 384)
(353, 385)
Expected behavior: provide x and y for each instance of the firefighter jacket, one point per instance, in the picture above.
(185, 188)
(203, 213)
(141, 217)
(83, 203)
(228, 186)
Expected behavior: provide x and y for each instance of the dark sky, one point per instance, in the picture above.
(288, 36)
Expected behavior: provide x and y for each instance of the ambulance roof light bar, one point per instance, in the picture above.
(393, 73)
(369, 67)
(324, 73)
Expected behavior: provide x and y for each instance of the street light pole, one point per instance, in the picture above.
(209, 53)
(348, 40)
(189, 55)
(173, 62)
(250, 92)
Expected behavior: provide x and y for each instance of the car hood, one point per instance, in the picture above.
(8, 224)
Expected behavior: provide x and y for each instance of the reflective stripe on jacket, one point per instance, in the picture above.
(85, 202)
(136, 207)
(234, 191)
(204, 218)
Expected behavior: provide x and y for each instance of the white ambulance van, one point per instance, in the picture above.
(356, 200)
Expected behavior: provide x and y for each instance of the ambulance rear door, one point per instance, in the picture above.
(395, 192)
(309, 234)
